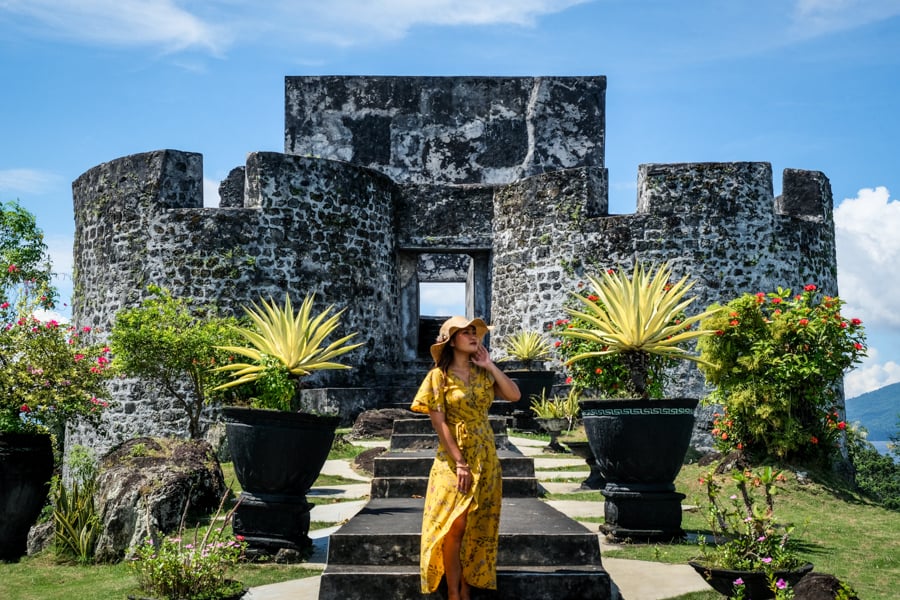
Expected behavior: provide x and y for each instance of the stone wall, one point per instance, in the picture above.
(428, 196)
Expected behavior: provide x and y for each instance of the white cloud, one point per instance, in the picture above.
(870, 375)
(27, 181)
(123, 22)
(177, 25)
(442, 299)
(210, 192)
(818, 17)
(49, 315)
(868, 256)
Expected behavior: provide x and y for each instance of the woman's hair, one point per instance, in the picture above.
(446, 358)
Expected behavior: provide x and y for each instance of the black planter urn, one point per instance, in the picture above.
(277, 457)
(639, 446)
(756, 583)
(26, 466)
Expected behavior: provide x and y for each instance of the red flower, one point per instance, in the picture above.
(24, 408)
(858, 346)
(557, 343)
(843, 324)
(809, 288)
(804, 322)
(776, 300)
(5, 305)
(734, 322)
(568, 380)
(842, 425)
(856, 321)
(598, 370)
(813, 439)
(593, 297)
(12, 269)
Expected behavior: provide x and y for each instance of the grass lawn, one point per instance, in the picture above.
(840, 533)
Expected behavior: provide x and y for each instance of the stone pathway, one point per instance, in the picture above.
(632, 579)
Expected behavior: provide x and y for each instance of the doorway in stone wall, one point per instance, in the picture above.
(436, 286)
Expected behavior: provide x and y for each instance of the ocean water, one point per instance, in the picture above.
(881, 446)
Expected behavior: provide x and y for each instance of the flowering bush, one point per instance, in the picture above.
(48, 375)
(778, 362)
(194, 569)
(748, 535)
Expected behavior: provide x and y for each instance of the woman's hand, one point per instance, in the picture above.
(463, 478)
(482, 358)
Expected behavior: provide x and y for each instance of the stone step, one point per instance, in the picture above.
(560, 582)
(531, 533)
(415, 487)
(542, 554)
(422, 425)
(418, 464)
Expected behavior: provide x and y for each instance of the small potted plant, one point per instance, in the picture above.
(753, 554)
(278, 451)
(555, 415)
(527, 351)
(620, 338)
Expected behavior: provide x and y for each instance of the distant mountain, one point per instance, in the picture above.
(877, 411)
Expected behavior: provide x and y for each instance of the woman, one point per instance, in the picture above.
(461, 521)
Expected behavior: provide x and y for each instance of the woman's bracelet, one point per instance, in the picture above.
(459, 466)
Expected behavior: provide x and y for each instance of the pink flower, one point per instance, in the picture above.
(766, 559)
(12, 268)
(781, 584)
(738, 581)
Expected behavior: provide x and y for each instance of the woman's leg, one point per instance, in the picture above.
(457, 588)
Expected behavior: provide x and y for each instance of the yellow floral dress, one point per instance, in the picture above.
(466, 410)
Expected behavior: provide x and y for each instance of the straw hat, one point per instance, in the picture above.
(451, 326)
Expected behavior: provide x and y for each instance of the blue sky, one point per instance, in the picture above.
(810, 84)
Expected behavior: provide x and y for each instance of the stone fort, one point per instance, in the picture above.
(389, 182)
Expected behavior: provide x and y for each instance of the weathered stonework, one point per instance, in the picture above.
(387, 182)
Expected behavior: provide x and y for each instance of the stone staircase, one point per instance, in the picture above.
(542, 555)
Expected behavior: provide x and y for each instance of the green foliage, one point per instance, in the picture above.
(750, 536)
(877, 475)
(190, 569)
(284, 346)
(76, 523)
(528, 346)
(167, 341)
(24, 258)
(777, 362)
(626, 330)
(48, 374)
(558, 407)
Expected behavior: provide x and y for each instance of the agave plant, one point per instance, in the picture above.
(528, 347)
(284, 347)
(637, 317)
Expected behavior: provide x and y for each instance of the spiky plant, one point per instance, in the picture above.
(528, 347)
(637, 316)
(284, 347)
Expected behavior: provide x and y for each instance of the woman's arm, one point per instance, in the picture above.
(463, 474)
(504, 387)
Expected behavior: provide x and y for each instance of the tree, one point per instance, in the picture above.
(168, 341)
(24, 258)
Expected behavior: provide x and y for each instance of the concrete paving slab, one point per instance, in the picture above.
(356, 490)
(641, 580)
(564, 487)
(337, 512)
(558, 463)
(577, 508)
(343, 469)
